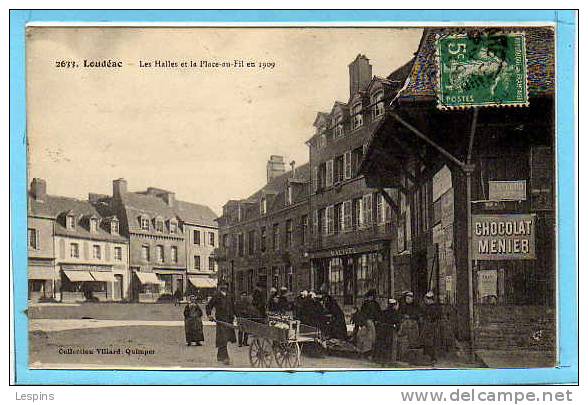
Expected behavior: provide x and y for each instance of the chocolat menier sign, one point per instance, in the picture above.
(503, 237)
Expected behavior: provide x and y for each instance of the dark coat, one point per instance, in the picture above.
(273, 303)
(337, 328)
(387, 335)
(259, 301)
(193, 323)
(317, 315)
(430, 329)
(298, 307)
(242, 307)
(283, 304)
(224, 312)
(389, 321)
(303, 310)
(410, 311)
(371, 309)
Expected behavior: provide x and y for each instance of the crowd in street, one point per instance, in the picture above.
(403, 331)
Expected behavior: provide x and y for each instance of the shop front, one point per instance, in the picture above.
(42, 280)
(76, 285)
(348, 273)
(146, 286)
(86, 283)
(104, 285)
(172, 282)
(201, 285)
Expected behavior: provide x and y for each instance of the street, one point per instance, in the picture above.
(142, 336)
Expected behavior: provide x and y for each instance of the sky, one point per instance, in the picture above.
(204, 133)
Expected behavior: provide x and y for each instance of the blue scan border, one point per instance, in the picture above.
(567, 372)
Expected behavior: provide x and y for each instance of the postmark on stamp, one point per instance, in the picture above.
(487, 70)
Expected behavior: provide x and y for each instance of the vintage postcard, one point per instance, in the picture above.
(271, 197)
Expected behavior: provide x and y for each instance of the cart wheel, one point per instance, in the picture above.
(288, 354)
(260, 353)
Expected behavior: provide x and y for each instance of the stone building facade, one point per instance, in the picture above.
(201, 240)
(319, 226)
(264, 238)
(42, 275)
(159, 228)
(90, 256)
(353, 226)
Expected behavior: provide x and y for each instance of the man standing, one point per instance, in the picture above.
(283, 303)
(430, 330)
(299, 305)
(273, 301)
(222, 303)
(409, 340)
(243, 310)
(387, 328)
(259, 301)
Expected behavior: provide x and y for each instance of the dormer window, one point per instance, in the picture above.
(114, 227)
(93, 225)
(288, 195)
(70, 222)
(322, 141)
(144, 223)
(159, 225)
(263, 206)
(377, 102)
(337, 125)
(173, 226)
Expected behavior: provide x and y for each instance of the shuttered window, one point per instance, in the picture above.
(329, 176)
(347, 216)
(34, 239)
(347, 164)
(330, 223)
(74, 250)
(367, 209)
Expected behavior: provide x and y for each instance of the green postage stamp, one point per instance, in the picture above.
(486, 70)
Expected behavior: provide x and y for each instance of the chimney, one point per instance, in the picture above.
(169, 198)
(39, 189)
(119, 188)
(275, 167)
(360, 74)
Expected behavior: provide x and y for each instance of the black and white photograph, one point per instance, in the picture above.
(291, 198)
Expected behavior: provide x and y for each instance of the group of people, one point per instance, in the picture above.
(224, 314)
(402, 331)
(225, 309)
(320, 310)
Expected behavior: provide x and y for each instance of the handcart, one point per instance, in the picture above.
(278, 337)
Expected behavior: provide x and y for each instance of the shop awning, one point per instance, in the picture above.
(76, 276)
(41, 274)
(105, 276)
(147, 278)
(202, 281)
